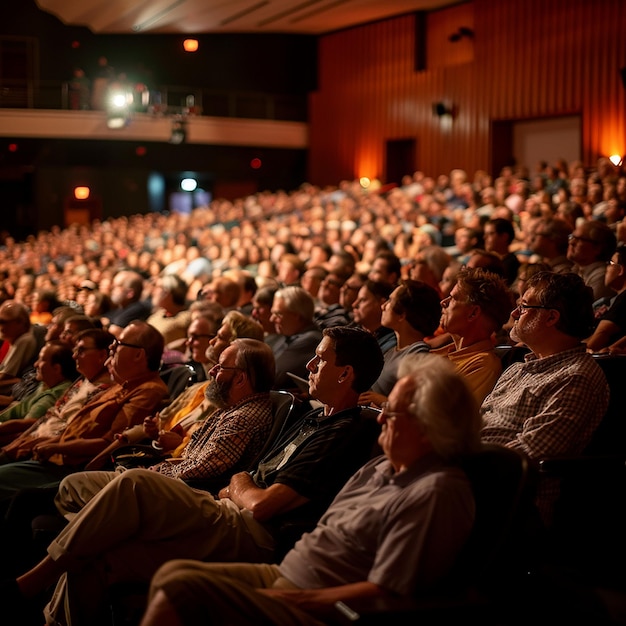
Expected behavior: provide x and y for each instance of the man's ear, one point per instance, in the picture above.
(553, 317)
(346, 374)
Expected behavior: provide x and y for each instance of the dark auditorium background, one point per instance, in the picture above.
(371, 98)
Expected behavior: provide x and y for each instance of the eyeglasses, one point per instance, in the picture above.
(574, 238)
(384, 407)
(219, 367)
(522, 308)
(117, 343)
(199, 336)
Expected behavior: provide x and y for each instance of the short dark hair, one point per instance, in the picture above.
(420, 304)
(358, 348)
(503, 226)
(567, 294)
(102, 339)
(62, 355)
(393, 261)
(379, 288)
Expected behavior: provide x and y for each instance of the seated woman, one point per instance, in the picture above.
(610, 334)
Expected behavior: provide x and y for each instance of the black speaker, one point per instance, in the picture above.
(623, 73)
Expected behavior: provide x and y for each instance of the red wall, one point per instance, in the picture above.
(531, 59)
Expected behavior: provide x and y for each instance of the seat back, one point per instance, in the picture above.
(504, 484)
(178, 378)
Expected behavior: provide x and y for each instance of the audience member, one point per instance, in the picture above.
(328, 310)
(477, 307)
(292, 315)
(91, 352)
(413, 313)
(56, 371)
(126, 293)
(499, 234)
(171, 316)
(15, 329)
(552, 403)
(591, 246)
(386, 267)
(611, 328)
(550, 240)
(137, 392)
(368, 312)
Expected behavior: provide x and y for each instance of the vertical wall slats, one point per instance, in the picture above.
(533, 59)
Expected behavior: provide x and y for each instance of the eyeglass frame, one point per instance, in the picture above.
(116, 343)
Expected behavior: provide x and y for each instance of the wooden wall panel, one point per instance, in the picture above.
(527, 60)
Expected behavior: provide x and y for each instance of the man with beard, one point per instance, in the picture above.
(143, 518)
(552, 403)
(228, 441)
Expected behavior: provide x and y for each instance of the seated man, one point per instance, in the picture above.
(368, 312)
(394, 530)
(15, 329)
(552, 403)
(133, 365)
(142, 518)
(56, 371)
(292, 315)
(478, 305)
(126, 293)
(91, 353)
(228, 441)
(172, 427)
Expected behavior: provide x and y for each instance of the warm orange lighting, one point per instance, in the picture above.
(81, 193)
(190, 45)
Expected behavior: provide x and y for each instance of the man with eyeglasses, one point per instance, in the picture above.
(591, 246)
(90, 354)
(56, 371)
(133, 364)
(142, 519)
(552, 403)
(550, 240)
(477, 307)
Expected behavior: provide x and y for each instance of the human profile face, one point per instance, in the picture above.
(46, 371)
(389, 317)
(324, 375)
(89, 359)
(454, 311)
(223, 375)
(379, 271)
(401, 437)
(367, 309)
(127, 356)
(614, 273)
(198, 339)
(582, 250)
(262, 314)
(285, 321)
(349, 292)
(528, 318)
(219, 343)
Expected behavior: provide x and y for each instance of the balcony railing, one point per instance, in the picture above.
(166, 99)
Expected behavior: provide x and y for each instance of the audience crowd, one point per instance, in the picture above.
(174, 330)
